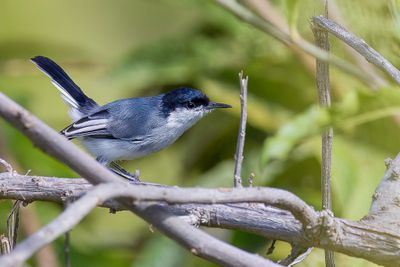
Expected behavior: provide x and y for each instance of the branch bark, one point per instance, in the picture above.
(256, 218)
(324, 95)
(336, 15)
(237, 175)
(247, 16)
(200, 243)
(358, 44)
(369, 239)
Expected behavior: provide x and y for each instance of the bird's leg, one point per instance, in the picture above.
(116, 168)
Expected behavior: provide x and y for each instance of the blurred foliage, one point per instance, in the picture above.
(134, 48)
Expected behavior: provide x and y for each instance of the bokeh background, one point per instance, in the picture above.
(120, 49)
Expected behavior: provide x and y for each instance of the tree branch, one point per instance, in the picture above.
(324, 95)
(336, 15)
(368, 239)
(237, 176)
(199, 243)
(256, 218)
(358, 44)
(246, 15)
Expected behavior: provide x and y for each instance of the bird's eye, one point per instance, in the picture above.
(190, 105)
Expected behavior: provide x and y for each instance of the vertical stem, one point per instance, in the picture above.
(237, 178)
(323, 89)
(67, 237)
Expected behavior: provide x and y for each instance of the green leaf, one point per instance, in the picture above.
(293, 133)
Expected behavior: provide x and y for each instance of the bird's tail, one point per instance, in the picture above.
(80, 104)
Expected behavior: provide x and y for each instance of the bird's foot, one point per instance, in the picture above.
(117, 169)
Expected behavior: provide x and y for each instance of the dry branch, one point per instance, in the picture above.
(256, 218)
(199, 242)
(335, 14)
(368, 239)
(225, 254)
(358, 44)
(247, 16)
(324, 95)
(237, 174)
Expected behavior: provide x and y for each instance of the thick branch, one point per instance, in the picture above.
(173, 195)
(256, 218)
(370, 54)
(385, 208)
(199, 243)
(365, 239)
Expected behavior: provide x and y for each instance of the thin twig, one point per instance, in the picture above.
(323, 89)
(297, 255)
(7, 165)
(251, 179)
(67, 237)
(378, 80)
(246, 15)
(271, 248)
(13, 223)
(5, 245)
(370, 54)
(269, 12)
(237, 176)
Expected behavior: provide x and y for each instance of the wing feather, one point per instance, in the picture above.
(94, 125)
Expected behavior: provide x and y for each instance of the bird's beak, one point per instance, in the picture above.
(214, 105)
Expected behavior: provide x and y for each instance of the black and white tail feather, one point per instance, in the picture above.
(89, 121)
(80, 105)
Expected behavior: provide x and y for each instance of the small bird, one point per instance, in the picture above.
(127, 128)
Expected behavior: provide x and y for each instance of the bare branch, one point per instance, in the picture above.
(370, 54)
(246, 15)
(46, 257)
(13, 223)
(324, 95)
(385, 201)
(199, 242)
(5, 245)
(366, 239)
(336, 15)
(6, 165)
(256, 218)
(297, 255)
(237, 176)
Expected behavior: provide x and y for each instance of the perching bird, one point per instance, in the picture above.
(127, 128)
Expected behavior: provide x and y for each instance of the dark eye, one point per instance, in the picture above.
(190, 104)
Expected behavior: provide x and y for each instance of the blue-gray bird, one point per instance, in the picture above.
(127, 128)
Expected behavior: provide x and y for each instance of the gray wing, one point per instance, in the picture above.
(129, 119)
(94, 125)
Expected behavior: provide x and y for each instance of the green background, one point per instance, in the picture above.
(120, 49)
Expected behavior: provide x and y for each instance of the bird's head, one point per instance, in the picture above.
(185, 106)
